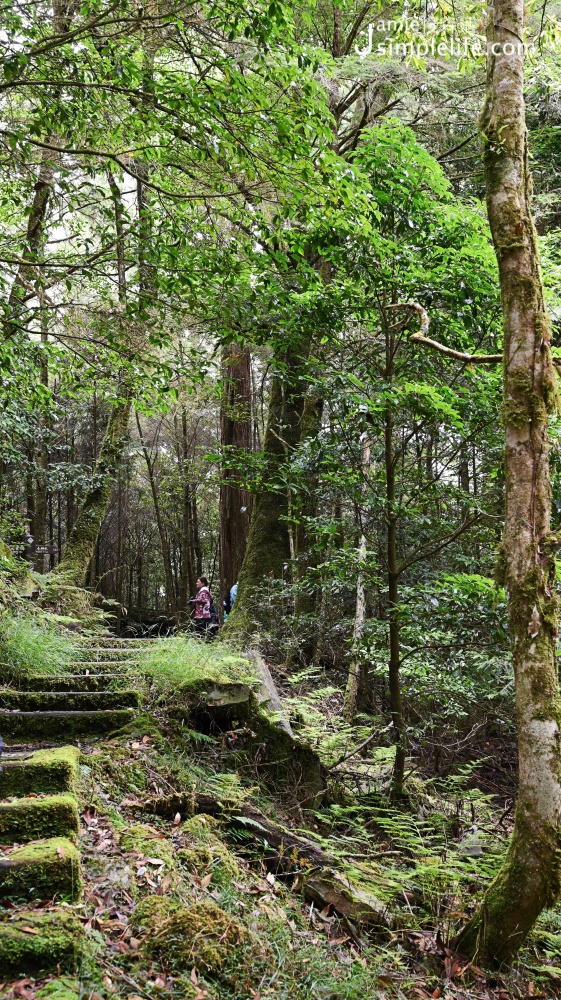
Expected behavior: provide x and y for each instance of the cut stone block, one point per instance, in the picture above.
(67, 701)
(27, 727)
(44, 772)
(35, 818)
(33, 942)
(44, 869)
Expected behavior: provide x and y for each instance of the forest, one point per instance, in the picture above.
(280, 499)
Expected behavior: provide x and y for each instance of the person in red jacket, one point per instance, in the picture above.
(202, 604)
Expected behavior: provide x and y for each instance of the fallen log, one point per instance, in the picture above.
(314, 869)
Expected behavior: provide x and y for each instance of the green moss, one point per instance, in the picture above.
(32, 942)
(141, 725)
(44, 869)
(60, 989)
(203, 935)
(36, 818)
(284, 762)
(21, 726)
(84, 701)
(47, 772)
(206, 853)
(152, 912)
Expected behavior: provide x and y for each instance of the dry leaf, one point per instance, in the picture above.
(60, 851)
(29, 930)
(205, 882)
(436, 994)
(135, 944)
(194, 977)
(177, 818)
(153, 861)
(270, 878)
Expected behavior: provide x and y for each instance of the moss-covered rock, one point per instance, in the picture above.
(33, 942)
(37, 818)
(203, 935)
(46, 771)
(30, 726)
(44, 869)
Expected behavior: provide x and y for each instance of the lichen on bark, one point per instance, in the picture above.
(529, 879)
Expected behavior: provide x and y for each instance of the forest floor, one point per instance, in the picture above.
(429, 859)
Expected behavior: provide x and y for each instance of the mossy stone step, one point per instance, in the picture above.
(28, 727)
(44, 869)
(66, 701)
(44, 772)
(72, 682)
(36, 818)
(32, 942)
(99, 665)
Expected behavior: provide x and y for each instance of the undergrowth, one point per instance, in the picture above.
(34, 645)
(184, 662)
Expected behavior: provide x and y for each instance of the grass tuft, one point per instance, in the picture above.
(33, 646)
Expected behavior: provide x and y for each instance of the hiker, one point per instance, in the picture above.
(202, 602)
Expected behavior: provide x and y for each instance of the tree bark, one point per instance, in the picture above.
(81, 543)
(236, 435)
(530, 877)
(268, 553)
(171, 604)
(354, 692)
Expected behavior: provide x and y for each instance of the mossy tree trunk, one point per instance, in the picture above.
(81, 543)
(530, 877)
(356, 691)
(236, 434)
(268, 555)
(306, 597)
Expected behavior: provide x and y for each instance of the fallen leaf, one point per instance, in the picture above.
(177, 819)
(134, 996)
(166, 882)
(60, 851)
(135, 945)
(436, 994)
(153, 861)
(194, 977)
(29, 930)
(205, 882)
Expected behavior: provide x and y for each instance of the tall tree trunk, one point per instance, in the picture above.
(80, 546)
(236, 435)
(187, 576)
(268, 553)
(305, 599)
(354, 692)
(42, 463)
(530, 877)
(168, 572)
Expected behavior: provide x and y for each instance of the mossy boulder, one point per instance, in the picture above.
(36, 818)
(203, 935)
(46, 771)
(33, 942)
(44, 869)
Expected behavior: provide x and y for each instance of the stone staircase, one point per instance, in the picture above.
(39, 815)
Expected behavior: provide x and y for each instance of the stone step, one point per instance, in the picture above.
(42, 772)
(66, 701)
(44, 869)
(32, 942)
(72, 682)
(34, 818)
(29, 727)
(98, 665)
